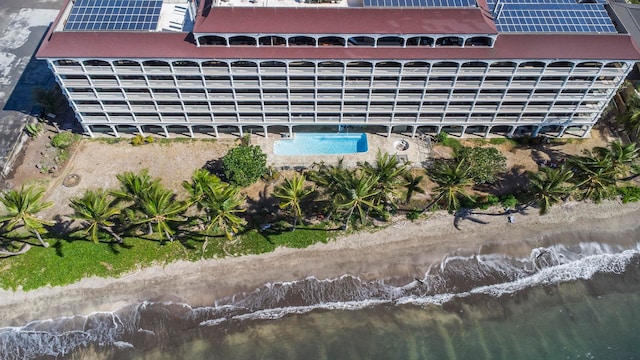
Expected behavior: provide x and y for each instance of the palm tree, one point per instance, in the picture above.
(412, 185)
(357, 191)
(161, 209)
(453, 179)
(96, 210)
(631, 118)
(221, 205)
(21, 209)
(595, 176)
(390, 172)
(291, 193)
(622, 157)
(200, 181)
(549, 186)
(133, 186)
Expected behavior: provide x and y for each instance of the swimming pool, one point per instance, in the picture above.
(321, 144)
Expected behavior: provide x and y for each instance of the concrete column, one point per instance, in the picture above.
(561, 133)
(215, 130)
(266, 131)
(140, 130)
(114, 128)
(413, 131)
(464, 129)
(87, 129)
(190, 131)
(389, 128)
(166, 132)
(240, 129)
(512, 131)
(488, 131)
(586, 131)
(536, 131)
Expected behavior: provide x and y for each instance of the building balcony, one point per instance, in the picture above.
(69, 69)
(215, 70)
(186, 70)
(105, 82)
(190, 83)
(120, 108)
(162, 83)
(88, 108)
(98, 69)
(244, 70)
(138, 96)
(78, 83)
(82, 95)
(111, 96)
(143, 108)
(133, 83)
(128, 70)
(157, 70)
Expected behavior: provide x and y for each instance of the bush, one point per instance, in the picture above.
(485, 164)
(509, 201)
(141, 140)
(63, 140)
(413, 214)
(243, 165)
(629, 193)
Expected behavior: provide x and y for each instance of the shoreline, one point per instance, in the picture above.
(399, 252)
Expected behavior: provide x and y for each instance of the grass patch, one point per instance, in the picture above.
(110, 140)
(68, 261)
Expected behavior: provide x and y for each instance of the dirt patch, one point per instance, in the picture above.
(96, 164)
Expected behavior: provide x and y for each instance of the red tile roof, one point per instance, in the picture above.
(116, 45)
(343, 20)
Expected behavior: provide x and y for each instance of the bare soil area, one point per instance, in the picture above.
(94, 164)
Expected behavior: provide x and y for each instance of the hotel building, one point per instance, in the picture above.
(467, 67)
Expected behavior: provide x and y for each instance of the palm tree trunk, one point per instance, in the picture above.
(150, 228)
(42, 242)
(25, 247)
(295, 222)
(112, 233)
(433, 202)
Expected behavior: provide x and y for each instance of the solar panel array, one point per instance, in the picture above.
(551, 16)
(114, 15)
(419, 3)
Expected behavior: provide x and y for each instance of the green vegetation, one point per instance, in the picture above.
(245, 164)
(34, 130)
(63, 139)
(141, 140)
(142, 223)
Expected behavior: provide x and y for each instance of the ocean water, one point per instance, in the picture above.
(578, 297)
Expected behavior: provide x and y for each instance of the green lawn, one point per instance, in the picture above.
(67, 261)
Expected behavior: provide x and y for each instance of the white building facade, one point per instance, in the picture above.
(238, 69)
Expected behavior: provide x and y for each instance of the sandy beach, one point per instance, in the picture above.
(401, 251)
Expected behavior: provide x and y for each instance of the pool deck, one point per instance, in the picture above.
(416, 154)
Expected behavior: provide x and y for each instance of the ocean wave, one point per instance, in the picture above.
(456, 277)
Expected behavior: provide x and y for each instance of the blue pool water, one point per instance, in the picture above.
(321, 144)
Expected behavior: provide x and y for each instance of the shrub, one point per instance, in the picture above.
(509, 201)
(63, 139)
(413, 214)
(33, 130)
(243, 165)
(629, 193)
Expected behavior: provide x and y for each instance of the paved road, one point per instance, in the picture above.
(22, 26)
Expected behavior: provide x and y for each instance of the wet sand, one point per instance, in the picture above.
(399, 252)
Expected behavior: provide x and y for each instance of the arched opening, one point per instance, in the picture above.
(388, 64)
(331, 41)
(302, 41)
(330, 64)
(244, 64)
(531, 64)
(301, 64)
(590, 64)
(212, 40)
(66, 62)
(214, 64)
(449, 41)
(445, 65)
(155, 63)
(242, 40)
(96, 63)
(479, 41)
(560, 64)
(272, 41)
(126, 63)
(416, 65)
(185, 64)
(503, 66)
(361, 41)
(615, 65)
(474, 65)
(391, 41)
(420, 41)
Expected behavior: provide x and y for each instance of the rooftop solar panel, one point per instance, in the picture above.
(551, 16)
(114, 15)
(419, 3)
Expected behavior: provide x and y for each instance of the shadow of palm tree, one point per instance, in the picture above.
(465, 214)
